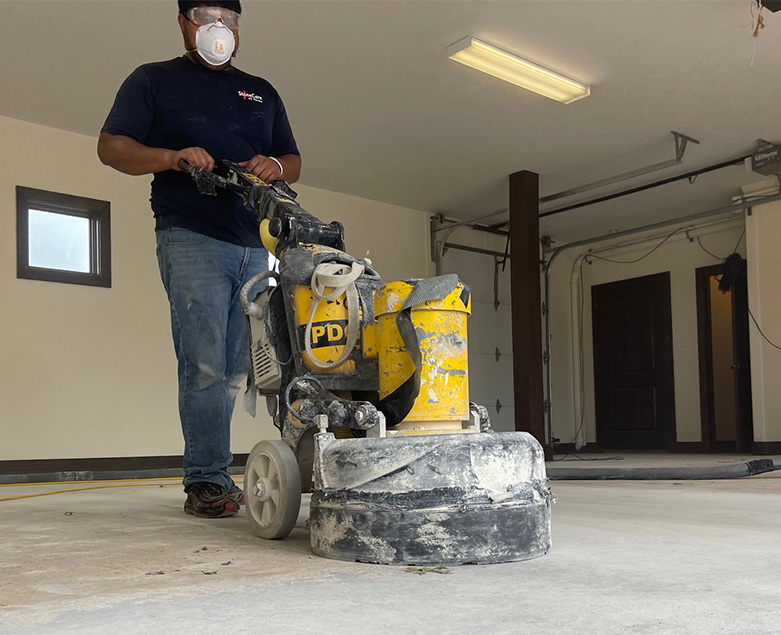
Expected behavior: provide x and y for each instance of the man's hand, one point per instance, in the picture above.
(131, 157)
(263, 167)
(193, 156)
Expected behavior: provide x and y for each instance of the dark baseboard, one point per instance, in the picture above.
(569, 448)
(678, 447)
(112, 464)
(688, 447)
(766, 447)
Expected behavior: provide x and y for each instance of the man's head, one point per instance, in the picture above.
(210, 29)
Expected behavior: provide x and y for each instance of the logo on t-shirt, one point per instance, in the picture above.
(251, 96)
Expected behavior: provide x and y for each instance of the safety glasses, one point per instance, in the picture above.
(201, 16)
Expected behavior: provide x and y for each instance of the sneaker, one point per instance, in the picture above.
(237, 494)
(209, 500)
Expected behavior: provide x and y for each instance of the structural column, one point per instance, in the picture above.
(526, 306)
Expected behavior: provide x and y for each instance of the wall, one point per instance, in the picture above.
(680, 258)
(89, 372)
(763, 238)
(490, 327)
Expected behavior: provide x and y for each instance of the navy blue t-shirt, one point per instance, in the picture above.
(232, 115)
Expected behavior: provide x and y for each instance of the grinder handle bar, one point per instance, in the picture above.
(289, 223)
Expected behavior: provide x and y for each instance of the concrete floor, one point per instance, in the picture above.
(698, 557)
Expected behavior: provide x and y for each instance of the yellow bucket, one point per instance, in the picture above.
(443, 401)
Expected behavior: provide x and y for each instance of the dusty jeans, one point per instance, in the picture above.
(203, 277)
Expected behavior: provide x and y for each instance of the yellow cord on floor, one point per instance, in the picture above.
(116, 480)
(131, 483)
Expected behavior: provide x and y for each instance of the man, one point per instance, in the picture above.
(195, 109)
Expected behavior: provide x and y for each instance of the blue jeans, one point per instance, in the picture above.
(203, 277)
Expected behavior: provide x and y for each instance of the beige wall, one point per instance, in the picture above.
(89, 372)
(490, 328)
(680, 258)
(763, 236)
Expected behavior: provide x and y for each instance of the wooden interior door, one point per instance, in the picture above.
(725, 365)
(633, 364)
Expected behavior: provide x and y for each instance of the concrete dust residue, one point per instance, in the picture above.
(132, 543)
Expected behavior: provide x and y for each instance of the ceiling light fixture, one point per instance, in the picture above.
(489, 59)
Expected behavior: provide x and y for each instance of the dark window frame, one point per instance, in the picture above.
(97, 212)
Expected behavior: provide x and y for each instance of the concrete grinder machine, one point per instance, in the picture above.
(367, 382)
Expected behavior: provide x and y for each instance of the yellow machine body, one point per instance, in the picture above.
(442, 406)
(329, 330)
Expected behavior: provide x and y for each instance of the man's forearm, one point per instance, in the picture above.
(128, 156)
(292, 166)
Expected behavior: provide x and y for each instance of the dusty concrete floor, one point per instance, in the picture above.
(628, 557)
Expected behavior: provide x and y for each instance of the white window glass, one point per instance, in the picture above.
(59, 241)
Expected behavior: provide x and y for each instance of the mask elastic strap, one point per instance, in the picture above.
(195, 48)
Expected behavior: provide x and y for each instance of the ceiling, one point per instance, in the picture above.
(379, 111)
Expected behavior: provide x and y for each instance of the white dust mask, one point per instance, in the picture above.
(215, 43)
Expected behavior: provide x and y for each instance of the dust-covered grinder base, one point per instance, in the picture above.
(431, 500)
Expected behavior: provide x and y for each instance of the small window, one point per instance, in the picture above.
(62, 238)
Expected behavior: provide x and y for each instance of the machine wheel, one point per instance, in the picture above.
(272, 489)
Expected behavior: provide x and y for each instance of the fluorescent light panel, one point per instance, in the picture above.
(489, 59)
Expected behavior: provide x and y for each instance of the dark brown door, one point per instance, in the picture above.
(633, 364)
(725, 365)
